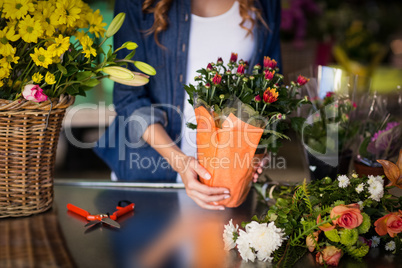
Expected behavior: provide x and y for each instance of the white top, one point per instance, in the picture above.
(210, 38)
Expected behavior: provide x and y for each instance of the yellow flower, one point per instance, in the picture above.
(16, 9)
(6, 61)
(68, 11)
(37, 78)
(7, 35)
(62, 44)
(96, 23)
(41, 57)
(30, 29)
(82, 22)
(87, 48)
(44, 11)
(50, 79)
(4, 72)
(1, 83)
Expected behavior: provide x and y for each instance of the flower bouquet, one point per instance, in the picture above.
(332, 218)
(238, 113)
(330, 128)
(379, 137)
(50, 51)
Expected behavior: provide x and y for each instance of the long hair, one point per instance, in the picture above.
(162, 7)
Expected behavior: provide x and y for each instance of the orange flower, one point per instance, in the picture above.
(390, 223)
(270, 95)
(325, 227)
(350, 216)
(393, 171)
(331, 255)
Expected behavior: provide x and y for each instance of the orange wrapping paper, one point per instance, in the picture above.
(227, 153)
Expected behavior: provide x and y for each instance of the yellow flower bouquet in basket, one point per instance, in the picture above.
(50, 51)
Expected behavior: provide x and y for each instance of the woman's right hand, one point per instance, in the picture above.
(205, 196)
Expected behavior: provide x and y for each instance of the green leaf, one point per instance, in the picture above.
(130, 55)
(72, 90)
(91, 82)
(84, 75)
(61, 68)
(191, 126)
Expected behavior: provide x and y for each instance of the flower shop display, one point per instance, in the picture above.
(380, 138)
(329, 218)
(50, 51)
(331, 127)
(238, 113)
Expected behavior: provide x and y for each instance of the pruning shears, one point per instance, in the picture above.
(103, 218)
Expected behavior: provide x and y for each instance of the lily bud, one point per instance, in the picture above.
(137, 80)
(115, 25)
(145, 67)
(119, 72)
(130, 45)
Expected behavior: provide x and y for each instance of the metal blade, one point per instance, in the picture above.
(111, 222)
(92, 223)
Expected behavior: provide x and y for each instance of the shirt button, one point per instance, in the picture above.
(183, 47)
(178, 108)
(181, 78)
(186, 17)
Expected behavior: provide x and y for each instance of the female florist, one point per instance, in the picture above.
(197, 124)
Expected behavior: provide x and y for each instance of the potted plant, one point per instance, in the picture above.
(240, 114)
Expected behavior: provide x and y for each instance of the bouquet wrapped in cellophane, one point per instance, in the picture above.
(238, 113)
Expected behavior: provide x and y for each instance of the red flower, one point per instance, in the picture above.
(269, 75)
(233, 58)
(219, 61)
(301, 80)
(216, 80)
(209, 67)
(257, 98)
(329, 94)
(240, 69)
(269, 63)
(270, 95)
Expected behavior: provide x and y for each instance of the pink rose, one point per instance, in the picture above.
(390, 223)
(349, 216)
(34, 93)
(330, 254)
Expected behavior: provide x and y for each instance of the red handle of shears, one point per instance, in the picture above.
(78, 210)
(121, 211)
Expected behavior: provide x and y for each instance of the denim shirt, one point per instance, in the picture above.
(161, 100)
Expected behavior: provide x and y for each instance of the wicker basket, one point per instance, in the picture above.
(29, 134)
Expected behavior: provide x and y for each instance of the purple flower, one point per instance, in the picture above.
(384, 139)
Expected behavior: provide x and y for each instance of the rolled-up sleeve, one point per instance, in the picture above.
(142, 118)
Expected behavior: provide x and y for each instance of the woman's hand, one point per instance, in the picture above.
(202, 194)
(188, 168)
(259, 167)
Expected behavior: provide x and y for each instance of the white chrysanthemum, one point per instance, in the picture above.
(228, 235)
(376, 189)
(372, 179)
(355, 176)
(360, 205)
(390, 246)
(375, 241)
(243, 245)
(265, 239)
(360, 188)
(343, 181)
